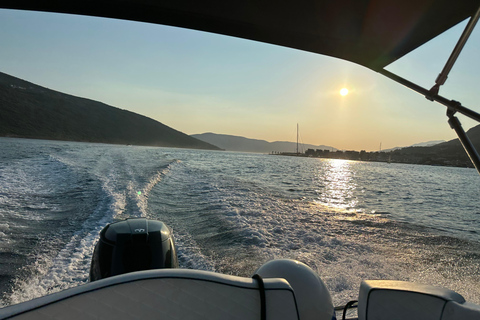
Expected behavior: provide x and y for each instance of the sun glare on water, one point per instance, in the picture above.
(343, 92)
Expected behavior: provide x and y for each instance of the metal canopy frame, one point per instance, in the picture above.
(452, 106)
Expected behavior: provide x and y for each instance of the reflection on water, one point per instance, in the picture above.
(232, 212)
(336, 184)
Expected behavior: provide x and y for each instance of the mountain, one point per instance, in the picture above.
(446, 153)
(236, 143)
(428, 143)
(421, 144)
(28, 110)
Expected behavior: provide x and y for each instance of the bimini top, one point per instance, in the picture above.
(372, 33)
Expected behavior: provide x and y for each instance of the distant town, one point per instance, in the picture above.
(440, 155)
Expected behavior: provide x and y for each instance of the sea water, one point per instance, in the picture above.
(232, 212)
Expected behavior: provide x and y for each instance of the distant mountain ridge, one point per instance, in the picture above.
(421, 144)
(448, 153)
(28, 110)
(428, 143)
(242, 144)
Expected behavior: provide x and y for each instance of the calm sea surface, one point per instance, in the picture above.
(231, 212)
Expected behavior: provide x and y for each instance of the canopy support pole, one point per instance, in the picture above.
(462, 136)
(452, 105)
(442, 77)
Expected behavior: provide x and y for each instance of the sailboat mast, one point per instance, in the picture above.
(297, 139)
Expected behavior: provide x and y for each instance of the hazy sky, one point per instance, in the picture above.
(198, 82)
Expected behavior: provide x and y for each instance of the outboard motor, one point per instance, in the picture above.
(133, 245)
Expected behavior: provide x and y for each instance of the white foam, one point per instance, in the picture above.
(190, 255)
(341, 226)
(142, 196)
(69, 267)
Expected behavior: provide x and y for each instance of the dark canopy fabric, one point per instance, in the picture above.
(372, 33)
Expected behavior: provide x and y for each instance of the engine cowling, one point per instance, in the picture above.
(133, 245)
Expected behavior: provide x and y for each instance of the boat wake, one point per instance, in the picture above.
(61, 256)
(231, 213)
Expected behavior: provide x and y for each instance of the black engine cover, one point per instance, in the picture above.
(133, 245)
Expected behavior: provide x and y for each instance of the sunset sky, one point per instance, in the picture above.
(198, 82)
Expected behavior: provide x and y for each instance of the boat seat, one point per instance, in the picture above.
(163, 294)
(461, 311)
(386, 299)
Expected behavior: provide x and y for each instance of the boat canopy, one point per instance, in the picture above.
(372, 33)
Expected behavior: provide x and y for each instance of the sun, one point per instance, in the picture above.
(344, 92)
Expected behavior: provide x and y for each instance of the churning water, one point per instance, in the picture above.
(231, 212)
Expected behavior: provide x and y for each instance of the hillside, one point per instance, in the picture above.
(421, 144)
(31, 111)
(241, 144)
(447, 153)
(450, 153)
